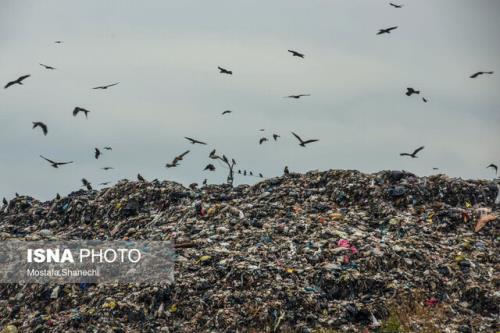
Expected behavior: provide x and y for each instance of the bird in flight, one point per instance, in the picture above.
(296, 54)
(494, 167)
(209, 167)
(106, 86)
(87, 184)
(302, 142)
(386, 31)
(107, 168)
(262, 140)
(297, 96)
(261, 175)
(212, 155)
(105, 183)
(140, 178)
(395, 6)
(19, 80)
(107, 148)
(225, 71)
(55, 164)
(473, 76)
(47, 67)
(424, 99)
(58, 42)
(79, 109)
(411, 91)
(275, 137)
(42, 126)
(194, 141)
(226, 112)
(176, 160)
(97, 153)
(414, 154)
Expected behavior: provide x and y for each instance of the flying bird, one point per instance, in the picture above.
(209, 167)
(79, 109)
(411, 91)
(194, 141)
(473, 76)
(494, 167)
(42, 126)
(107, 148)
(395, 6)
(87, 184)
(414, 154)
(55, 164)
(175, 161)
(225, 71)
(302, 142)
(106, 86)
(262, 140)
(212, 155)
(107, 168)
(19, 80)
(226, 112)
(47, 67)
(296, 54)
(261, 176)
(275, 137)
(97, 153)
(297, 96)
(386, 31)
(424, 99)
(140, 178)
(105, 183)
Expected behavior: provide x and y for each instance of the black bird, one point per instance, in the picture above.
(297, 96)
(105, 183)
(87, 184)
(79, 109)
(275, 137)
(226, 112)
(261, 176)
(204, 182)
(386, 31)
(106, 86)
(193, 186)
(5, 202)
(97, 153)
(473, 76)
(494, 167)
(209, 167)
(286, 171)
(55, 164)
(424, 99)
(58, 42)
(58, 196)
(244, 172)
(107, 168)
(302, 142)
(17, 81)
(42, 126)
(107, 148)
(47, 66)
(414, 154)
(251, 173)
(194, 141)
(296, 54)
(225, 71)
(176, 160)
(140, 178)
(411, 91)
(262, 140)
(239, 172)
(395, 6)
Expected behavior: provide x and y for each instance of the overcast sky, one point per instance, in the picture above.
(165, 55)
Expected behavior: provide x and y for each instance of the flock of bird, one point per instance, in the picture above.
(211, 167)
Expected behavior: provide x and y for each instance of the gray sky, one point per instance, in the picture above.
(165, 55)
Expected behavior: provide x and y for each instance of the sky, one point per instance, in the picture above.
(165, 55)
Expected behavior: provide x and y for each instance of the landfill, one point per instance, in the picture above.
(333, 251)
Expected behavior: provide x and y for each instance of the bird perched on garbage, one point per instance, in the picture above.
(261, 175)
(262, 140)
(78, 109)
(58, 196)
(41, 125)
(296, 54)
(286, 171)
(106, 86)
(251, 173)
(395, 6)
(303, 143)
(226, 112)
(386, 31)
(107, 148)
(473, 76)
(5, 202)
(209, 167)
(414, 154)
(87, 184)
(411, 91)
(194, 141)
(47, 67)
(107, 168)
(204, 182)
(175, 161)
(244, 172)
(297, 96)
(494, 167)
(193, 186)
(225, 71)
(275, 137)
(55, 164)
(19, 80)
(97, 153)
(140, 178)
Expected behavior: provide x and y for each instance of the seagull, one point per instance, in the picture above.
(55, 164)
(297, 96)
(494, 167)
(209, 167)
(286, 171)
(275, 137)
(87, 184)
(41, 125)
(140, 178)
(106, 86)
(107, 168)
(414, 154)
(107, 148)
(302, 142)
(79, 109)
(97, 153)
(411, 91)
(176, 160)
(19, 80)
(194, 141)
(386, 31)
(225, 71)
(473, 76)
(296, 54)
(226, 112)
(395, 6)
(262, 140)
(47, 67)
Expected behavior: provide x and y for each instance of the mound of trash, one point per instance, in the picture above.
(334, 251)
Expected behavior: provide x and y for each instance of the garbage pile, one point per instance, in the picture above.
(335, 251)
